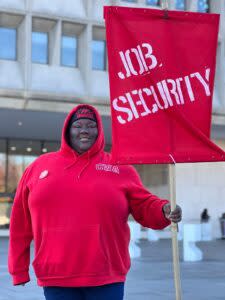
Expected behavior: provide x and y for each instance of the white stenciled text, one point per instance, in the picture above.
(163, 95)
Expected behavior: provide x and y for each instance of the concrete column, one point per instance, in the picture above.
(27, 44)
(141, 2)
(192, 5)
(115, 2)
(84, 50)
(219, 8)
(84, 56)
(135, 235)
(172, 4)
(87, 7)
(192, 234)
(55, 43)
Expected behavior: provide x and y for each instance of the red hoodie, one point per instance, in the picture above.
(75, 208)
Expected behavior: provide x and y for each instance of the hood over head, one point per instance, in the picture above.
(83, 113)
(78, 112)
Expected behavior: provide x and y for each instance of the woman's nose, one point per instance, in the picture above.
(84, 130)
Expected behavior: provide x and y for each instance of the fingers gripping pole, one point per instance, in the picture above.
(174, 227)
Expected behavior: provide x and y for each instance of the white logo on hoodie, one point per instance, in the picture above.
(107, 168)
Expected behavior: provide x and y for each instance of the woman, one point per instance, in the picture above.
(75, 204)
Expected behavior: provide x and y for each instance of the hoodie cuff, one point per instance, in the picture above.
(21, 278)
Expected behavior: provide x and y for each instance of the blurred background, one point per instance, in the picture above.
(53, 57)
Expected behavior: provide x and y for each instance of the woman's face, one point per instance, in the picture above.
(83, 134)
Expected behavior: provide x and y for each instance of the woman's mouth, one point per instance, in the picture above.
(84, 139)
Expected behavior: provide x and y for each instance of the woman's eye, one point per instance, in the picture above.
(92, 126)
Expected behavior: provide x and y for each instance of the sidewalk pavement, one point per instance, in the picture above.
(150, 277)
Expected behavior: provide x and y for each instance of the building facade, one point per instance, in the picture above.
(53, 57)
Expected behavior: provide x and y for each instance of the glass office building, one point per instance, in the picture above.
(15, 156)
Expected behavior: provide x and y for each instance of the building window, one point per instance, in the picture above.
(49, 147)
(40, 47)
(2, 165)
(98, 55)
(21, 153)
(69, 51)
(15, 156)
(203, 6)
(8, 41)
(2, 172)
(70, 43)
(43, 40)
(152, 2)
(180, 4)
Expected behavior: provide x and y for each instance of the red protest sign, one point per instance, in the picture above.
(161, 73)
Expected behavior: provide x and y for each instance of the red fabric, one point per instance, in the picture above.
(162, 103)
(84, 113)
(77, 218)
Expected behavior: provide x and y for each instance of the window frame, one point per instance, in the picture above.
(185, 6)
(76, 52)
(105, 56)
(16, 44)
(130, 1)
(48, 48)
(208, 9)
(154, 5)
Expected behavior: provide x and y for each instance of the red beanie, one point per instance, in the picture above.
(83, 113)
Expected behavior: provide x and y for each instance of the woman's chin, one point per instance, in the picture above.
(84, 148)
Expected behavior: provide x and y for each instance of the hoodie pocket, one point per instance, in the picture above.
(66, 253)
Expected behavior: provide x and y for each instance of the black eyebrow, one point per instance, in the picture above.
(77, 121)
(89, 122)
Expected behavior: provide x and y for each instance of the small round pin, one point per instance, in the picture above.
(43, 174)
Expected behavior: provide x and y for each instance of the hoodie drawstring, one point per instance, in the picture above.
(73, 163)
(76, 160)
(85, 166)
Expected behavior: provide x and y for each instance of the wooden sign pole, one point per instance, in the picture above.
(174, 230)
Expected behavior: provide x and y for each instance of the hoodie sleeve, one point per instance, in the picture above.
(20, 234)
(145, 207)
